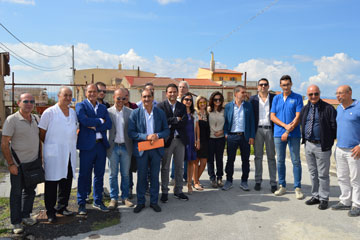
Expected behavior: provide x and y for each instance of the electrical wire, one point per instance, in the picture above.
(28, 63)
(45, 55)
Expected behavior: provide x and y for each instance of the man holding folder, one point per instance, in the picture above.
(148, 124)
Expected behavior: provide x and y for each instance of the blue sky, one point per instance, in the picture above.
(314, 41)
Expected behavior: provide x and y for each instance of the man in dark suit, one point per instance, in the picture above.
(264, 134)
(175, 145)
(147, 123)
(92, 142)
(239, 130)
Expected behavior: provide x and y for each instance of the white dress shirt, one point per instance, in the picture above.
(119, 136)
(264, 112)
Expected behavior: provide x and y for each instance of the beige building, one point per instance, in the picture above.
(111, 77)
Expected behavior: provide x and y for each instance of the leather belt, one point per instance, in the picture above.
(313, 141)
(120, 144)
(99, 140)
(177, 136)
(236, 133)
(265, 127)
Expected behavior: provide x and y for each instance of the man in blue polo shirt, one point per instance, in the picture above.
(285, 113)
(347, 153)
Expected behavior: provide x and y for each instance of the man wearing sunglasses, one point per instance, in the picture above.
(318, 132)
(264, 134)
(102, 94)
(120, 150)
(21, 130)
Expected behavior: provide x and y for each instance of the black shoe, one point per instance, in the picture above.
(138, 208)
(156, 207)
(181, 196)
(273, 189)
(65, 212)
(312, 201)
(257, 186)
(164, 198)
(323, 205)
(52, 219)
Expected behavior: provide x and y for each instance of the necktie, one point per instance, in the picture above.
(310, 122)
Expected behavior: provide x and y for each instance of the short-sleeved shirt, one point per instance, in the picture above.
(24, 136)
(286, 111)
(348, 122)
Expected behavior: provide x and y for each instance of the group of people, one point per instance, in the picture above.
(194, 133)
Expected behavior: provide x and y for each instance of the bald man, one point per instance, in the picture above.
(347, 153)
(318, 131)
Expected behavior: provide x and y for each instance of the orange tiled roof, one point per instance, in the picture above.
(157, 81)
(199, 82)
(331, 101)
(219, 70)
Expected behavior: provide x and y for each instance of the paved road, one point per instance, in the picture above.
(235, 214)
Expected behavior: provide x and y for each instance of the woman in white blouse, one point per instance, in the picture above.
(217, 139)
(58, 126)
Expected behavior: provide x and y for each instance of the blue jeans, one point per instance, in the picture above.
(120, 156)
(233, 143)
(21, 198)
(294, 147)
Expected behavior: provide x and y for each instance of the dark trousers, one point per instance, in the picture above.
(21, 198)
(233, 143)
(89, 160)
(217, 146)
(61, 190)
(149, 161)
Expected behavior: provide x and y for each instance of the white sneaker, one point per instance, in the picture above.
(299, 195)
(18, 228)
(29, 221)
(281, 191)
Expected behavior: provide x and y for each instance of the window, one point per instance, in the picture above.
(221, 79)
(233, 79)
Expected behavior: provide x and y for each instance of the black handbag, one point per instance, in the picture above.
(33, 172)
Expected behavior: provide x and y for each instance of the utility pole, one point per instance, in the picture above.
(4, 71)
(73, 65)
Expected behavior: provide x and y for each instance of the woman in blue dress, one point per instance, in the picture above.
(193, 140)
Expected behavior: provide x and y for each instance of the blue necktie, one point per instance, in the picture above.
(310, 122)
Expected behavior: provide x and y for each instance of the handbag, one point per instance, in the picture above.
(33, 172)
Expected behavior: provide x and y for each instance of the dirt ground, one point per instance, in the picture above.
(65, 226)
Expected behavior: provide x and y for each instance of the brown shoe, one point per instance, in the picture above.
(112, 204)
(127, 203)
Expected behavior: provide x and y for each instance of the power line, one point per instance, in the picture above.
(28, 63)
(45, 55)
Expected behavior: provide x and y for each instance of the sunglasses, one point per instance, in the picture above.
(28, 101)
(263, 84)
(104, 91)
(120, 99)
(217, 99)
(285, 85)
(314, 94)
(188, 99)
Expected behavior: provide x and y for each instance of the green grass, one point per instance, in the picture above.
(4, 214)
(104, 224)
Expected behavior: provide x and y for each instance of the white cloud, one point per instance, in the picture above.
(86, 57)
(164, 2)
(303, 58)
(25, 2)
(334, 71)
(270, 69)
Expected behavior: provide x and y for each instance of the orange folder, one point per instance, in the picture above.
(146, 145)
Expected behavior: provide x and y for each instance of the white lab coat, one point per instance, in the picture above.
(60, 142)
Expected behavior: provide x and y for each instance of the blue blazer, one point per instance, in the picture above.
(87, 118)
(137, 128)
(248, 115)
